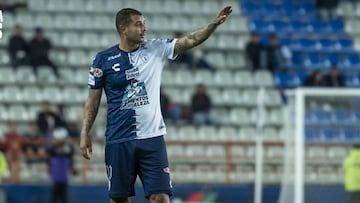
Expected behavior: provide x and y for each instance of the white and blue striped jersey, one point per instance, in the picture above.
(131, 81)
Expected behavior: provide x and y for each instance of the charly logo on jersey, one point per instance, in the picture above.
(135, 95)
(116, 67)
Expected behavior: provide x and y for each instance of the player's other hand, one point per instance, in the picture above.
(85, 146)
(223, 15)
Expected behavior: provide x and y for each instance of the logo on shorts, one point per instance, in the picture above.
(109, 172)
(167, 170)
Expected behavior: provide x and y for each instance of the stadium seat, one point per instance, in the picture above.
(25, 75)
(239, 117)
(32, 94)
(19, 112)
(52, 94)
(263, 78)
(249, 96)
(224, 79)
(228, 134)
(11, 94)
(244, 79)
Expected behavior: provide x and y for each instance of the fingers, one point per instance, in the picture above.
(86, 152)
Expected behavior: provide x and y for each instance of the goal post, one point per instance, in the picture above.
(313, 115)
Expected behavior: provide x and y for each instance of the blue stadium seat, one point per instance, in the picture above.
(249, 8)
(326, 45)
(278, 26)
(350, 61)
(330, 135)
(314, 61)
(344, 44)
(312, 134)
(352, 80)
(336, 25)
(256, 25)
(341, 116)
(351, 135)
(319, 26)
(323, 117)
(299, 26)
(271, 8)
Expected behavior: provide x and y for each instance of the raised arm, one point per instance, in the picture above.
(197, 37)
(90, 112)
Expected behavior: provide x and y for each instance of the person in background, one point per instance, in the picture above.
(276, 56)
(33, 146)
(351, 168)
(326, 8)
(169, 109)
(60, 166)
(4, 167)
(334, 78)
(255, 52)
(201, 107)
(39, 52)
(18, 48)
(314, 80)
(13, 151)
(47, 120)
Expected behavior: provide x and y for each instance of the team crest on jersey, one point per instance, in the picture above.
(98, 72)
(135, 95)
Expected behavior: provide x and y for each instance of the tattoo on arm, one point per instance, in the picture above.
(91, 109)
(194, 38)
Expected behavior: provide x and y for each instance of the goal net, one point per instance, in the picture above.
(322, 124)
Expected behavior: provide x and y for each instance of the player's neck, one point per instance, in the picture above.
(127, 46)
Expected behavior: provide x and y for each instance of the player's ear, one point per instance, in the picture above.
(122, 28)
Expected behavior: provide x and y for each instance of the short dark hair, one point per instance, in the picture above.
(123, 17)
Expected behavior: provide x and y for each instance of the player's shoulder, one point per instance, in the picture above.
(157, 42)
(109, 52)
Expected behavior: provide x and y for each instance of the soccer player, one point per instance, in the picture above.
(130, 74)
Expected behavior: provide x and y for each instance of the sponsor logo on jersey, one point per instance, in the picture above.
(98, 73)
(113, 57)
(132, 73)
(135, 95)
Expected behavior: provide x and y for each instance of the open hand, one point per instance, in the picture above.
(223, 15)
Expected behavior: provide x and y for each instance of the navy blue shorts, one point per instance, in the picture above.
(146, 158)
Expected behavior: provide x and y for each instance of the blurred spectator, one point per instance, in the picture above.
(351, 168)
(18, 48)
(255, 52)
(189, 59)
(60, 164)
(314, 80)
(326, 8)
(276, 56)
(12, 6)
(4, 168)
(47, 120)
(13, 151)
(334, 78)
(201, 107)
(169, 109)
(33, 147)
(39, 52)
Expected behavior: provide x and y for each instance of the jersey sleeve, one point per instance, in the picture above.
(96, 78)
(168, 46)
